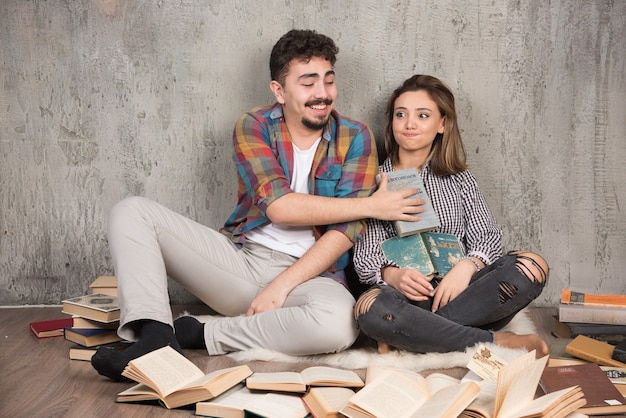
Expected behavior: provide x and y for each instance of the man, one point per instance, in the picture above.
(305, 174)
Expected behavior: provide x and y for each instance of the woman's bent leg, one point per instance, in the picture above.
(499, 291)
(392, 318)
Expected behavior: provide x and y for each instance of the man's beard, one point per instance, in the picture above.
(316, 125)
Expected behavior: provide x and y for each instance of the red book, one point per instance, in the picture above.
(51, 327)
(602, 396)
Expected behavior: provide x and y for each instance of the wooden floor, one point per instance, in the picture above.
(39, 380)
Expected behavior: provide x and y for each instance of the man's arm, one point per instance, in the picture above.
(304, 209)
(318, 259)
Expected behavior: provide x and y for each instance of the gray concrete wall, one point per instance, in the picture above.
(104, 99)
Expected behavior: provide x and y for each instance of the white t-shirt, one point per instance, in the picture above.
(292, 240)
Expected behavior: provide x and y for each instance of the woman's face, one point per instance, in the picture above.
(416, 121)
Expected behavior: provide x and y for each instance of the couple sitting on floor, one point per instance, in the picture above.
(275, 271)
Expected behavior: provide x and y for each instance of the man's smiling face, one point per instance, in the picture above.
(308, 94)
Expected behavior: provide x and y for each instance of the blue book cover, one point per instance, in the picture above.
(431, 253)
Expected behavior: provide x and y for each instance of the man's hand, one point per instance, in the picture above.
(453, 284)
(411, 283)
(272, 297)
(391, 205)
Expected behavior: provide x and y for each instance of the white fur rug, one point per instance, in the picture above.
(360, 358)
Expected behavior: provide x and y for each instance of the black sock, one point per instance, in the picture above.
(153, 335)
(189, 332)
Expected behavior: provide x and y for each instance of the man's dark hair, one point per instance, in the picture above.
(300, 45)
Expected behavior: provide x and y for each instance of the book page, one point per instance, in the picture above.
(374, 371)
(449, 401)
(165, 369)
(278, 405)
(484, 403)
(391, 395)
(518, 382)
(324, 376)
(276, 377)
(567, 396)
(236, 398)
(330, 398)
(438, 381)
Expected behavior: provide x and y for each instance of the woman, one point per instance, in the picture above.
(485, 289)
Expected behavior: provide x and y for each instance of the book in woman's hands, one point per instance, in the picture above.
(298, 382)
(411, 179)
(397, 394)
(167, 376)
(431, 253)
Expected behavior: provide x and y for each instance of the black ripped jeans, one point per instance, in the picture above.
(495, 294)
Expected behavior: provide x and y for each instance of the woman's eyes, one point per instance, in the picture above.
(401, 115)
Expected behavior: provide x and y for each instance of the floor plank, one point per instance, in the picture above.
(39, 380)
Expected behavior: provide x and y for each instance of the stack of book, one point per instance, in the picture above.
(95, 318)
(598, 316)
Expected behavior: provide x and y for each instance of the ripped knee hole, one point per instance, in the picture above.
(365, 301)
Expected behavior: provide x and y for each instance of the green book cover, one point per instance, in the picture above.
(431, 253)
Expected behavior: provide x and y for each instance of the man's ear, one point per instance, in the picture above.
(277, 89)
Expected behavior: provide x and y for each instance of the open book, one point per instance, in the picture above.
(298, 382)
(326, 402)
(405, 394)
(430, 253)
(512, 395)
(240, 402)
(167, 376)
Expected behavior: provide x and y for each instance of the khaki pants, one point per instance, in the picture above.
(149, 242)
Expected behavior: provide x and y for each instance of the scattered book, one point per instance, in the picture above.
(97, 307)
(79, 352)
(106, 285)
(91, 337)
(590, 299)
(432, 254)
(612, 334)
(80, 322)
(411, 179)
(512, 394)
(50, 328)
(326, 402)
(592, 314)
(167, 376)
(595, 351)
(617, 375)
(395, 394)
(240, 402)
(299, 382)
(602, 397)
(619, 352)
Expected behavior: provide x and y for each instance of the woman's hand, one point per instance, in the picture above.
(411, 283)
(451, 286)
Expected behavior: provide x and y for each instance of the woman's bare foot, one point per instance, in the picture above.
(528, 341)
(383, 348)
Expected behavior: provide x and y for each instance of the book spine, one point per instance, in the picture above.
(592, 314)
(619, 352)
(592, 357)
(589, 299)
